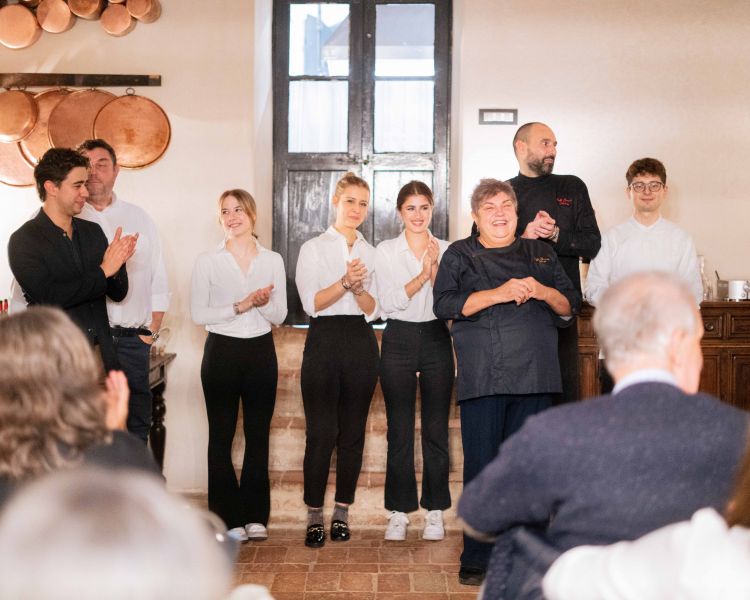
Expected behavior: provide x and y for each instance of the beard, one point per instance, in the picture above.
(538, 166)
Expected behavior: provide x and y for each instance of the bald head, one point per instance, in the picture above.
(535, 147)
(650, 320)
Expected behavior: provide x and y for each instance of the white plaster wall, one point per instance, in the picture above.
(209, 57)
(616, 81)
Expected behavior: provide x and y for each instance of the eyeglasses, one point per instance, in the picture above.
(640, 186)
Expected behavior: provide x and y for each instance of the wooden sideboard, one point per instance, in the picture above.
(726, 352)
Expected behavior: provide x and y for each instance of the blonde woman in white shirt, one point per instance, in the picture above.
(414, 341)
(238, 293)
(340, 362)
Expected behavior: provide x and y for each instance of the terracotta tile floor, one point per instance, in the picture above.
(364, 568)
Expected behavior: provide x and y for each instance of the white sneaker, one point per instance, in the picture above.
(433, 526)
(238, 534)
(256, 531)
(396, 531)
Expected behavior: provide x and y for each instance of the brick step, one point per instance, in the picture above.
(287, 444)
(288, 508)
(289, 397)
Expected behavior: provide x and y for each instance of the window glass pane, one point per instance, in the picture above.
(405, 40)
(319, 39)
(318, 116)
(404, 116)
(386, 185)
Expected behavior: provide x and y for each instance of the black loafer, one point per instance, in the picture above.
(340, 531)
(315, 537)
(471, 576)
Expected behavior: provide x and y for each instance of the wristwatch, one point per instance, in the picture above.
(555, 234)
(155, 336)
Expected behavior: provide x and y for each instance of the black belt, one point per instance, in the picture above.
(129, 331)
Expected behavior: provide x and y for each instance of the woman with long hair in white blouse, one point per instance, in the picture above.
(340, 362)
(238, 293)
(414, 341)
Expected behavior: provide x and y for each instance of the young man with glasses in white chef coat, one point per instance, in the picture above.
(645, 242)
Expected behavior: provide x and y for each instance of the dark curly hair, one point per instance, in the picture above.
(646, 166)
(55, 166)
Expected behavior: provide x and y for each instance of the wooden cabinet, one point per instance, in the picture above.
(726, 352)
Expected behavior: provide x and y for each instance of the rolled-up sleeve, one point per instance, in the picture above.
(200, 310)
(276, 309)
(392, 296)
(306, 277)
(448, 297)
(159, 282)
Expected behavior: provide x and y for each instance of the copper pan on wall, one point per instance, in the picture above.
(72, 120)
(146, 11)
(136, 127)
(18, 27)
(37, 142)
(117, 21)
(14, 168)
(18, 115)
(54, 16)
(86, 9)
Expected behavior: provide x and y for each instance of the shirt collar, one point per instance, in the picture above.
(646, 227)
(332, 231)
(222, 247)
(644, 375)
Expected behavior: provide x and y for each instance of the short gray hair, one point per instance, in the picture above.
(489, 188)
(90, 534)
(638, 315)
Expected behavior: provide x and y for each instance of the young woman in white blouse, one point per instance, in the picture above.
(414, 341)
(340, 362)
(238, 292)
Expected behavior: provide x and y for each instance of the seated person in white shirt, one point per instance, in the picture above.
(340, 363)
(238, 293)
(706, 558)
(414, 341)
(645, 242)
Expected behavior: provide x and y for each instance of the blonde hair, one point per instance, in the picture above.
(245, 200)
(349, 179)
(51, 405)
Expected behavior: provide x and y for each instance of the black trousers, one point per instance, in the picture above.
(567, 350)
(486, 422)
(339, 374)
(234, 369)
(408, 349)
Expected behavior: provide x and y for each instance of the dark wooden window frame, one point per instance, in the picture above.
(361, 119)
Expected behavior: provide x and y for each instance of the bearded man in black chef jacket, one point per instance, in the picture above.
(555, 209)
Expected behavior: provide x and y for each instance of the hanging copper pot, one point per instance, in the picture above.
(14, 169)
(146, 11)
(72, 120)
(37, 142)
(137, 128)
(86, 9)
(54, 16)
(18, 26)
(18, 115)
(117, 21)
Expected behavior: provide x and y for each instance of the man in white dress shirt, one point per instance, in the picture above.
(645, 242)
(134, 322)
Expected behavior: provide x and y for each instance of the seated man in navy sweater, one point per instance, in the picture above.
(618, 466)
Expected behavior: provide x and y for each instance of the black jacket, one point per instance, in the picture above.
(42, 261)
(505, 348)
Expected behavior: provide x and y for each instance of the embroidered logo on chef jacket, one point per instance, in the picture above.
(564, 202)
(541, 260)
